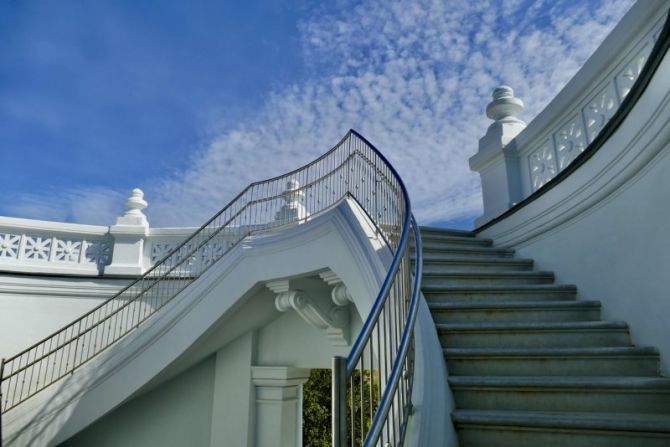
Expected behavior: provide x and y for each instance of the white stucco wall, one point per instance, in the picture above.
(176, 414)
(32, 307)
(605, 227)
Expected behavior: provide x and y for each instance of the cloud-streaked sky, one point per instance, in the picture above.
(192, 101)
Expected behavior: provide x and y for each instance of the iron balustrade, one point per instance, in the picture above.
(353, 169)
(372, 386)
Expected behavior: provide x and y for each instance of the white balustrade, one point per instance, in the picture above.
(128, 248)
(515, 160)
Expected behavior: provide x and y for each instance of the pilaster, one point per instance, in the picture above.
(278, 393)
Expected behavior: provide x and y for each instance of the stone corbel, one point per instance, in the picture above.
(333, 319)
(340, 294)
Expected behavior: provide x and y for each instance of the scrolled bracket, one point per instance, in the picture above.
(325, 316)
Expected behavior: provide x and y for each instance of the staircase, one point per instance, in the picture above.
(529, 365)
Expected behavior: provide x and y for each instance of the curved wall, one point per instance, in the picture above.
(605, 226)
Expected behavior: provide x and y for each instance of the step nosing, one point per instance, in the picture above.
(629, 422)
(464, 260)
(489, 274)
(505, 326)
(505, 288)
(588, 383)
(514, 305)
(553, 352)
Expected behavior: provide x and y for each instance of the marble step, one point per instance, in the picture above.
(449, 242)
(434, 231)
(477, 428)
(473, 264)
(620, 361)
(560, 393)
(514, 311)
(491, 278)
(534, 335)
(446, 251)
(535, 292)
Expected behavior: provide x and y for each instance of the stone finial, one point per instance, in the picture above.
(294, 209)
(134, 206)
(505, 106)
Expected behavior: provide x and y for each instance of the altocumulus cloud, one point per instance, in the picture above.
(412, 77)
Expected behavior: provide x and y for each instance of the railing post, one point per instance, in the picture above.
(497, 161)
(339, 401)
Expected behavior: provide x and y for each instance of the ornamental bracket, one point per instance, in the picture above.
(318, 313)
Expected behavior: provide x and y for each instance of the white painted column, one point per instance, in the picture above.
(233, 404)
(278, 405)
(497, 161)
(129, 233)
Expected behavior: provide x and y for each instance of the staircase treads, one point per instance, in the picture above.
(501, 306)
(459, 264)
(438, 239)
(465, 250)
(518, 292)
(505, 278)
(446, 232)
(514, 311)
(562, 393)
(525, 334)
(603, 361)
(635, 422)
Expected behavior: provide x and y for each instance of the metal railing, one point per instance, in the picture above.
(352, 169)
(372, 386)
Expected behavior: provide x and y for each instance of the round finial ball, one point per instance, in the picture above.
(504, 105)
(135, 203)
(504, 91)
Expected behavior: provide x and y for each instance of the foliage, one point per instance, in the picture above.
(316, 429)
(316, 409)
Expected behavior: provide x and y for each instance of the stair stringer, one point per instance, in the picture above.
(341, 240)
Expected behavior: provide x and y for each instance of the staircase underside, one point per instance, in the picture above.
(529, 364)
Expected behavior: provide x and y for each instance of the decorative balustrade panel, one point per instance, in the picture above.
(567, 140)
(22, 248)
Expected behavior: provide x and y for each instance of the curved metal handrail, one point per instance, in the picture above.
(386, 336)
(351, 169)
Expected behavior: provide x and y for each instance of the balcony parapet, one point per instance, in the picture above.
(127, 248)
(514, 160)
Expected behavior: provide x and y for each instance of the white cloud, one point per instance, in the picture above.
(414, 78)
(97, 206)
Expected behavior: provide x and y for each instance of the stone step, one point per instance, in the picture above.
(447, 251)
(539, 292)
(449, 241)
(506, 311)
(478, 428)
(534, 335)
(473, 264)
(556, 393)
(486, 278)
(627, 361)
(430, 231)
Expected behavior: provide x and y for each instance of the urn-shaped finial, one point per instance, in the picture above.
(294, 208)
(134, 206)
(136, 203)
(505, 106)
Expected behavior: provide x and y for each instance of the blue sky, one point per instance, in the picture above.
(191, 101)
